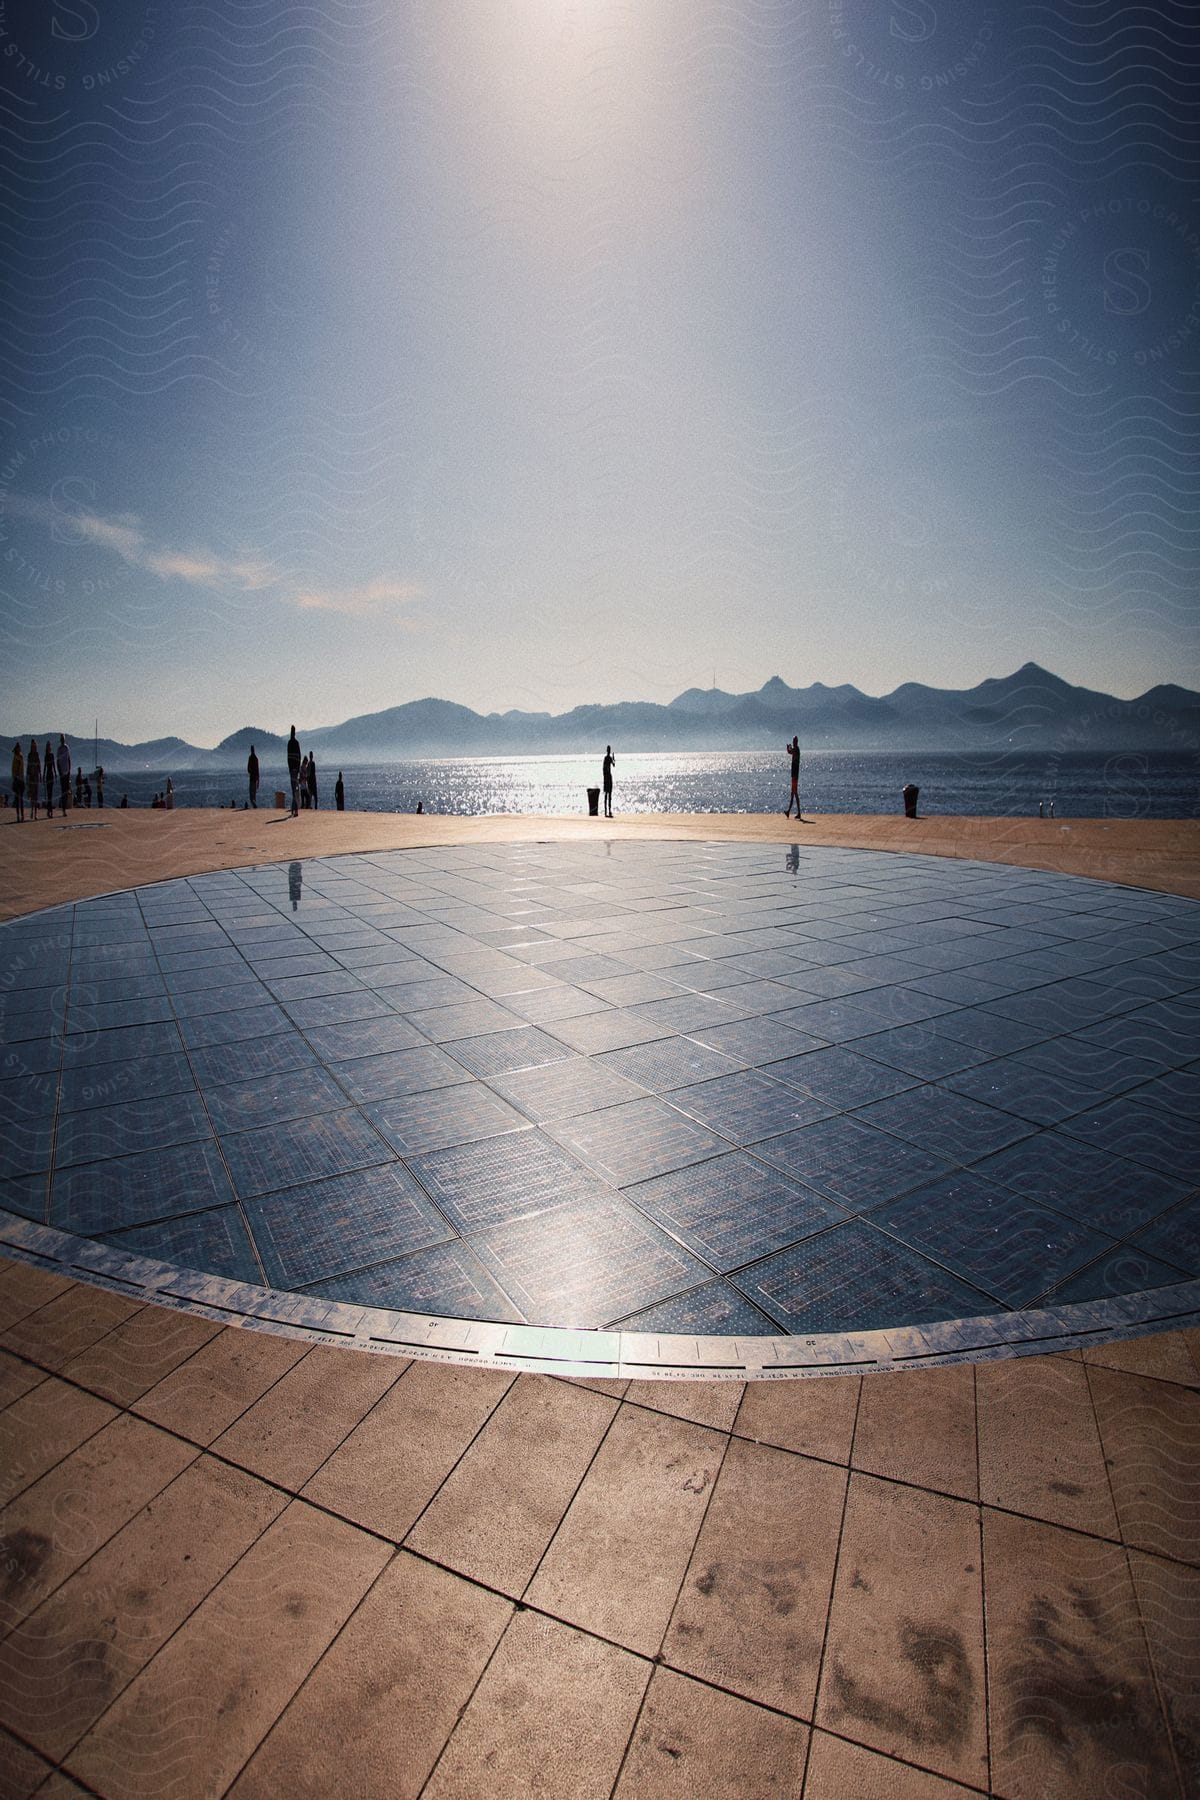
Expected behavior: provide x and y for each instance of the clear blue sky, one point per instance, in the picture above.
(531, 352)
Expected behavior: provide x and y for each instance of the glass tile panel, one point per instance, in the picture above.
(853, 1278)
(215, 1242)
(998, 1071)
(279, 1156)
(321, 1229)
(587, 1265)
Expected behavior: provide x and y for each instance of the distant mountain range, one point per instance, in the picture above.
(1031, 711)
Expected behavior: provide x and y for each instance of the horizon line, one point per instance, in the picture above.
(605, 705)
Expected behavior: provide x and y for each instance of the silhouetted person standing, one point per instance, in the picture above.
(48, 772)
(339, 793)
(33, 777)
(252, 774)
(100, 785)
(606, 779)
(293, 756)
(793, 751)
(79, 786)
(63, 759)
(312, 782)
(18, 781)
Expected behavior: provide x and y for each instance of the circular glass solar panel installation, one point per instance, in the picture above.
(713, 1089)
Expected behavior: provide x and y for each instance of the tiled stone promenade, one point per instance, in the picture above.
(237, 1562)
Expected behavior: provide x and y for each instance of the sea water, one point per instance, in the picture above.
(1123, 785)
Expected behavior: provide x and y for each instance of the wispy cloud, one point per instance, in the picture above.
(125, 536)
(367, 597)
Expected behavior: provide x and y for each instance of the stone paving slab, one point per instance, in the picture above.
(689, 1560)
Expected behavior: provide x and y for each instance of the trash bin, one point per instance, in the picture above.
(910, 800)
(593, 795)
(280, 799)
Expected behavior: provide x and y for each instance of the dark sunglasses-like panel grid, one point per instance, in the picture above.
(682, 1087)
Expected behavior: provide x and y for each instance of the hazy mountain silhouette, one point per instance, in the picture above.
(1031, 709)
(237, 745)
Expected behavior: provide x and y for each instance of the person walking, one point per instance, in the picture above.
(169, 797)
(312, 782)
(293, 762)
(606, 775)
(793, 751)
(304, 783)
(18, 781)
(33, 777)
(63, 759)
(48, 773)
(252, 776)
(339, 793)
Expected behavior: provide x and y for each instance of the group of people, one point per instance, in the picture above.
(83, 787)
(36, 772)
(302, 774)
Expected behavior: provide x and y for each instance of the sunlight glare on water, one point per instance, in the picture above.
(658, 782)
(1123, 785)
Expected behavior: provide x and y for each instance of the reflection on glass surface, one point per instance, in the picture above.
(617, 1150)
